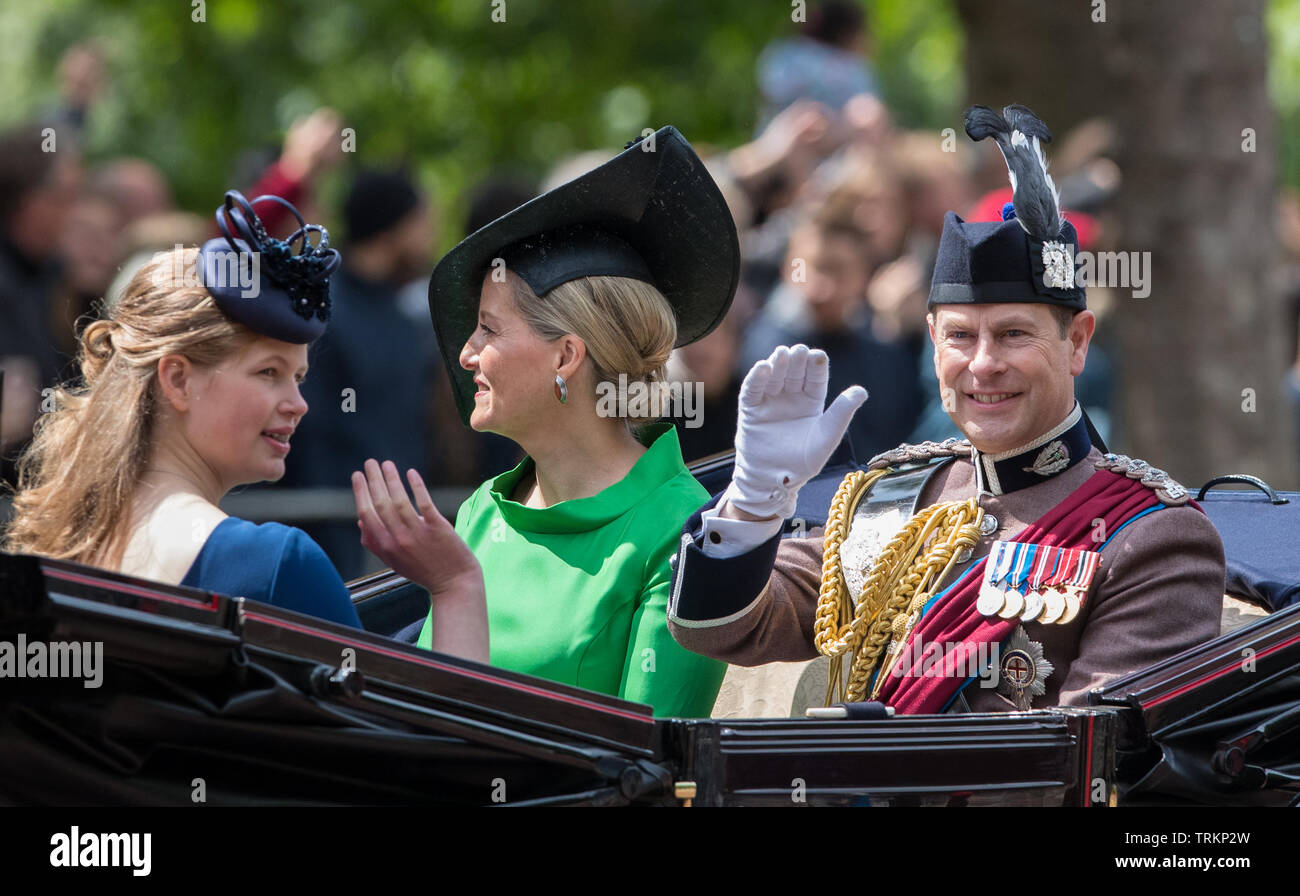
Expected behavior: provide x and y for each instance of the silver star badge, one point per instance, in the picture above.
(1023, 671)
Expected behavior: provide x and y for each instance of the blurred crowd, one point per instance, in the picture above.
(839, 213)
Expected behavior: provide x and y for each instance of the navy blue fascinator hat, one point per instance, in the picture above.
(652, 213)
(278, 288)
(1030, 255)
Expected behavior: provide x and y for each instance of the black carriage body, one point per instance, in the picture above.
(266, 706)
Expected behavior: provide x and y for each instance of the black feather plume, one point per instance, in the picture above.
(1020, 135)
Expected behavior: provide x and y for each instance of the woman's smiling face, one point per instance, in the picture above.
(245, 409)
(513, 367)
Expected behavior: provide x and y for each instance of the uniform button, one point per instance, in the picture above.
(989, 524)
(715, 538)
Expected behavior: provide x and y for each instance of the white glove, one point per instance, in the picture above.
(783, 438)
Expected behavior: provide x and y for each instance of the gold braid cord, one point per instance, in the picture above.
(901, 579)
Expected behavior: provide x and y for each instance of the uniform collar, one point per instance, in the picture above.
(1049, 455)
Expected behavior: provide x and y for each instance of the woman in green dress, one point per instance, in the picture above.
(556, 322)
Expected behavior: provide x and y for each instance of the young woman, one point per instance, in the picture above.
(190, 390)
(556, 322)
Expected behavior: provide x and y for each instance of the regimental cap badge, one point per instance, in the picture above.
(1058, 265)
(1023, 670)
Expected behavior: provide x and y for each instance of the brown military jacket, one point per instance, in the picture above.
(1159, 590)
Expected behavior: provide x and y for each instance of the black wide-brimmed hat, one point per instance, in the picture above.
(1029, 256)
(261, 281)
(651, 213)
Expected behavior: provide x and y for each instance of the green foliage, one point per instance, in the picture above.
(1283, 23)
(439, 83)
(919, 49)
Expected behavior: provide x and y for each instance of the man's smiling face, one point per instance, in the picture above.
(1006, 375)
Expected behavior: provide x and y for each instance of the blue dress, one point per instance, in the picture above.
(275, 564)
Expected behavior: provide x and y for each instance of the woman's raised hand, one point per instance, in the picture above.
(418, 543)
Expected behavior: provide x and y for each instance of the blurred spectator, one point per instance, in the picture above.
(91, 247)
(868, 190)
(931, 182)
(822, 303)
(136, 186)
(771, 170)
(497, 196)
(81, 82)
(712, 366)
(368, 388)
(826, 62)
(155, 233)
(37, 188)
(934, 180)
(774, 166)
(313, 145)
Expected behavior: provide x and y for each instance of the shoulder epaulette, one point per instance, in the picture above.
(1166, 489)
(926, 451)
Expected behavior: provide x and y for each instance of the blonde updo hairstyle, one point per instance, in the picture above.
(78, 476)
(627, 325)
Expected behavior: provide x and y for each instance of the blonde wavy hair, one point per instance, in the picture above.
(627, 325)
(78, 477)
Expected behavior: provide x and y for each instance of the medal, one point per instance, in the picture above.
(1034, 601)
(1055, 583)
(997, 565)
(1076, 589)
(1071, 609)
(1053, 606)
(1014, 603)
(1054, 597)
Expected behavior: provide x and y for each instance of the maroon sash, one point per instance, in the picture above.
(953, 620)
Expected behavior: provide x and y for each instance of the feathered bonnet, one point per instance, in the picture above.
(1030, 255)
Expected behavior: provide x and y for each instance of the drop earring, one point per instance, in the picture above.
(561, 389)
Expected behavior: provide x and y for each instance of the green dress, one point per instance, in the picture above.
(578, 592)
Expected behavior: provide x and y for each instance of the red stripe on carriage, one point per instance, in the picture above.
(528, 689)
(133, 590)
(1210, 676)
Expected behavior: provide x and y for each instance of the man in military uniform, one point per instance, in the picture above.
(1076, 568)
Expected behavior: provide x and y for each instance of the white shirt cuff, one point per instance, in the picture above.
(725, 538)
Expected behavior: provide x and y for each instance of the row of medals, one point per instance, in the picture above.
(1057, 604)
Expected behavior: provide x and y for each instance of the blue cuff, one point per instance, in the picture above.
(712, 589)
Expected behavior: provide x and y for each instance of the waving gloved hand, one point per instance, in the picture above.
(783, 437)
